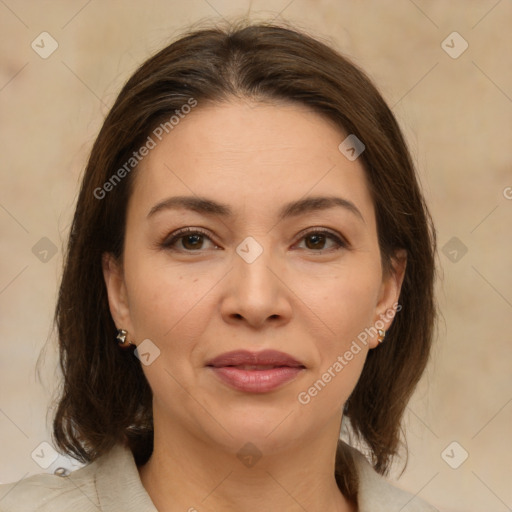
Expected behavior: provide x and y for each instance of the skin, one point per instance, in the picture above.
(197, 299)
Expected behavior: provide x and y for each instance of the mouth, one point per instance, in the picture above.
(251, 367)
(255, 372)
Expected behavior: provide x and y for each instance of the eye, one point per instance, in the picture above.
(316, 240)
(193, 240)
(187, 240)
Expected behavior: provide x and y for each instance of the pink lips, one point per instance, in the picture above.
(255, 372)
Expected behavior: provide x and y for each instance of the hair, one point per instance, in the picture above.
(263, 62)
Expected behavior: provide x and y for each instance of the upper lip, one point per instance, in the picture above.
(263, 358)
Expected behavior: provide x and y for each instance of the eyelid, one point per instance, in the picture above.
(179, 233)
(338, 238)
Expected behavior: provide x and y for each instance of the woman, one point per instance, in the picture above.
(251, 262)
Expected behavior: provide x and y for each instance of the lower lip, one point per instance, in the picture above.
(256, 381)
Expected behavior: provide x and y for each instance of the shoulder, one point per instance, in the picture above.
(45, 493)
(111, 483)
(376, 494)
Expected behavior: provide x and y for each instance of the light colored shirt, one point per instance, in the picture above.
(112, 484)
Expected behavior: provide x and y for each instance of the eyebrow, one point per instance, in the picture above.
(207, 206)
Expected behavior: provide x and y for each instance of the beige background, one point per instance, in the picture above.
(456, 113)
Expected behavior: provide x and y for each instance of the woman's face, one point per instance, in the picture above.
(281, 255)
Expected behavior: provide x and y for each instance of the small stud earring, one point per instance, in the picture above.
(121, 338)
(382, 335)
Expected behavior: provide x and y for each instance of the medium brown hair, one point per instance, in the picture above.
(105, 396)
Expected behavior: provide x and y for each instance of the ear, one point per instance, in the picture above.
(392, 280)
(116, 290)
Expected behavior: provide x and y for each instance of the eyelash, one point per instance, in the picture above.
(168, 242)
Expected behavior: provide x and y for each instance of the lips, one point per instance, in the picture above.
(266, 359)
(255, 372)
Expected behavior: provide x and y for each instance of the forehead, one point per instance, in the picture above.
(251, 154)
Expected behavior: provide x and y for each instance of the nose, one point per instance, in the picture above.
(256, 293)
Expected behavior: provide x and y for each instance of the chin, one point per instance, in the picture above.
(266, 423)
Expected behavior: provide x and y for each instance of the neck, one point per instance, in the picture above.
(185, 473)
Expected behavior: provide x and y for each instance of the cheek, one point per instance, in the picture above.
(169, 308)
(348, 310)
(168, 305)
(346, 301)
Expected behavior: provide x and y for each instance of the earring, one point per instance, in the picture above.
(382, 335)
(121, 338)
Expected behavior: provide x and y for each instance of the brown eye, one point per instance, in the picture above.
(186, 240)
(317, 240)
(191, 242)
